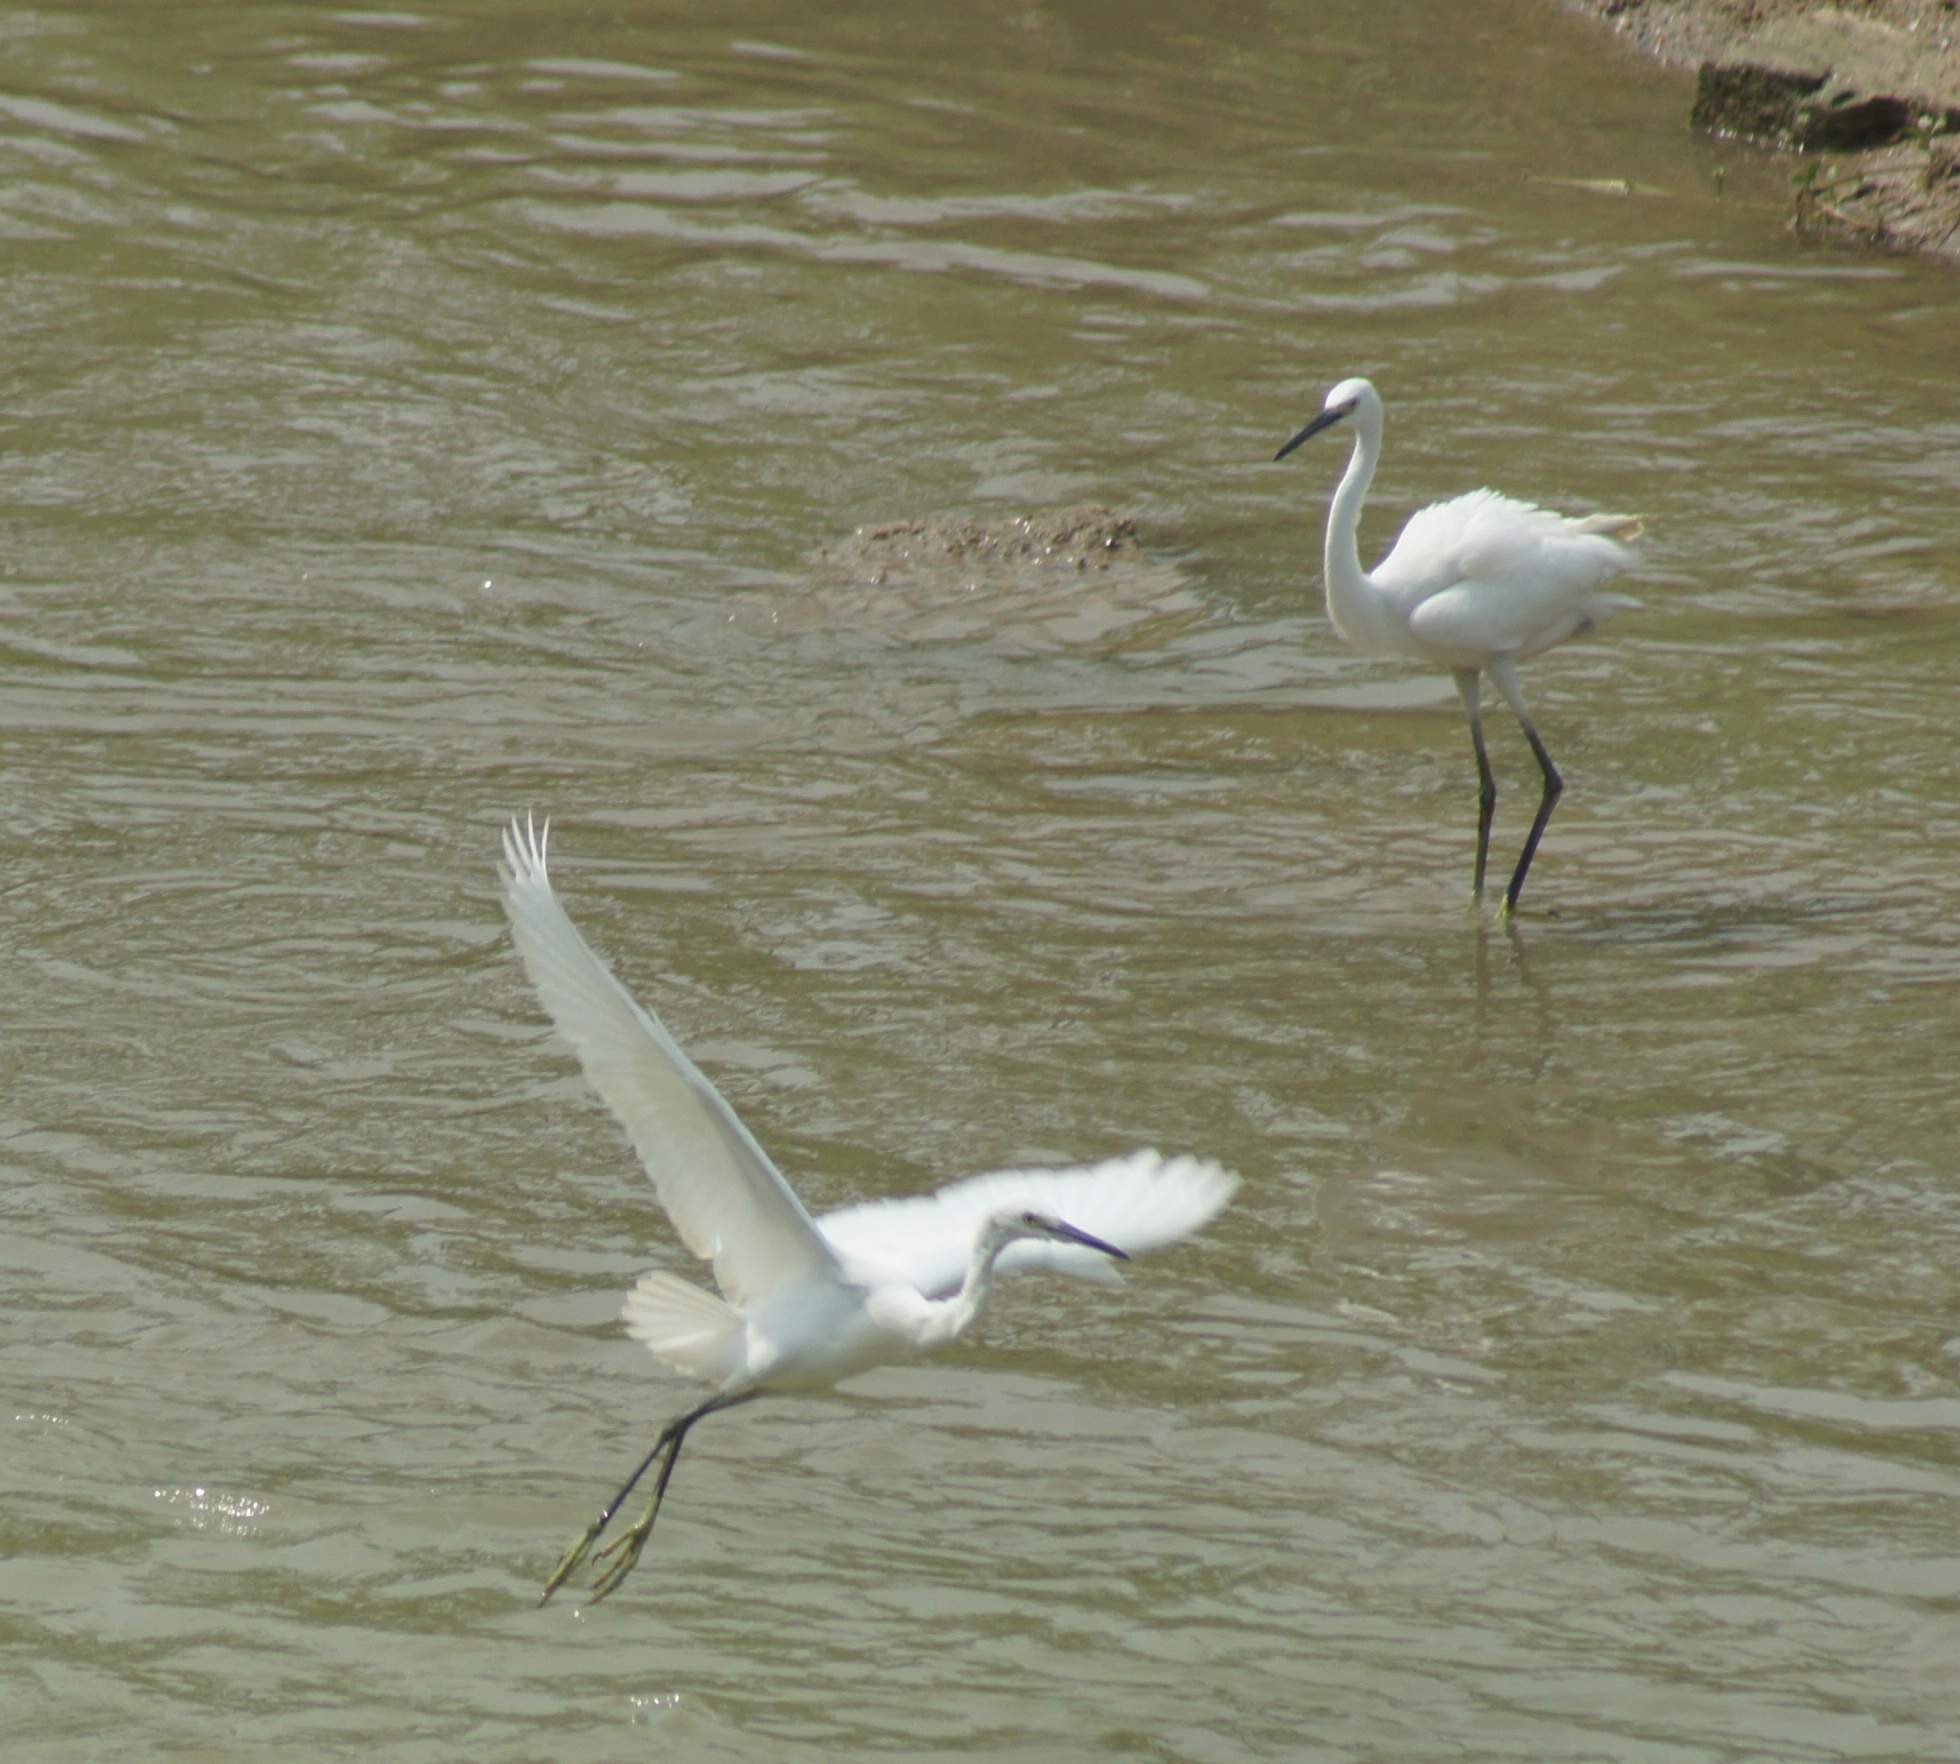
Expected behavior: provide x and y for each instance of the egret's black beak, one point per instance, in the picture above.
(1088, 1242)
(1326, 419)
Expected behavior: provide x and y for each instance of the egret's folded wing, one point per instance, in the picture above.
(1483, 574)
(726, 1199)
(1135, 1202)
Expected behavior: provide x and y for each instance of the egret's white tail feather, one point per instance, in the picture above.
(683, 1324)
(1614, 526)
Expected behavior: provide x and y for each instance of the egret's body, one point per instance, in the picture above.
(1474, 585)
(805, 1303)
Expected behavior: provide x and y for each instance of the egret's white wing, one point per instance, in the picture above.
(1476, 619)
(1135, 1202)
(726, 1199)
(1482, 574)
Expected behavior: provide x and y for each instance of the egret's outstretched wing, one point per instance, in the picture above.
(726, 1199)
(1135, 1202)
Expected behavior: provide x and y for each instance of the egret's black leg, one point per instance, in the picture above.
(1554, 784)
(635, 1540)
(1504, 672)
(1467, 684)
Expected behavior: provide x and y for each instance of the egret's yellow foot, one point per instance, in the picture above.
(568, 1563)
(626, 1548)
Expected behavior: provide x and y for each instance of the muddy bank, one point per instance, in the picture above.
(1866, 95)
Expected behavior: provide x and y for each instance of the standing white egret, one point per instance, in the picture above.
(1475, 585)
(806, 1303)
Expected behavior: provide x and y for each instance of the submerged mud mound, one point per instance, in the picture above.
(1051, 580)
(1067, 538)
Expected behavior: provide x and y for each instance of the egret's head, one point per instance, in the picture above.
(1012, 1226)
(1349, 398)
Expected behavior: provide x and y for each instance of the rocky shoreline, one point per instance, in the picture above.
(1866, 96)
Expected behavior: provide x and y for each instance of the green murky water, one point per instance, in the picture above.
(417, 416)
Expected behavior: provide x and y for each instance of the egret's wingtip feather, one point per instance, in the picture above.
(525, 846)
(727, 1201)
(1140, 1200)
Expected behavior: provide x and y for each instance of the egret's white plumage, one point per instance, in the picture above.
(1475, 585)
(1140, 1201)
(805, 1303)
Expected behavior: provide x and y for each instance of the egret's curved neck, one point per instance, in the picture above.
(949, 1318)
(1353, 602)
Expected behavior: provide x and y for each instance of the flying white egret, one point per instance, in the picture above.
(805, 1303)
(1475, 585)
